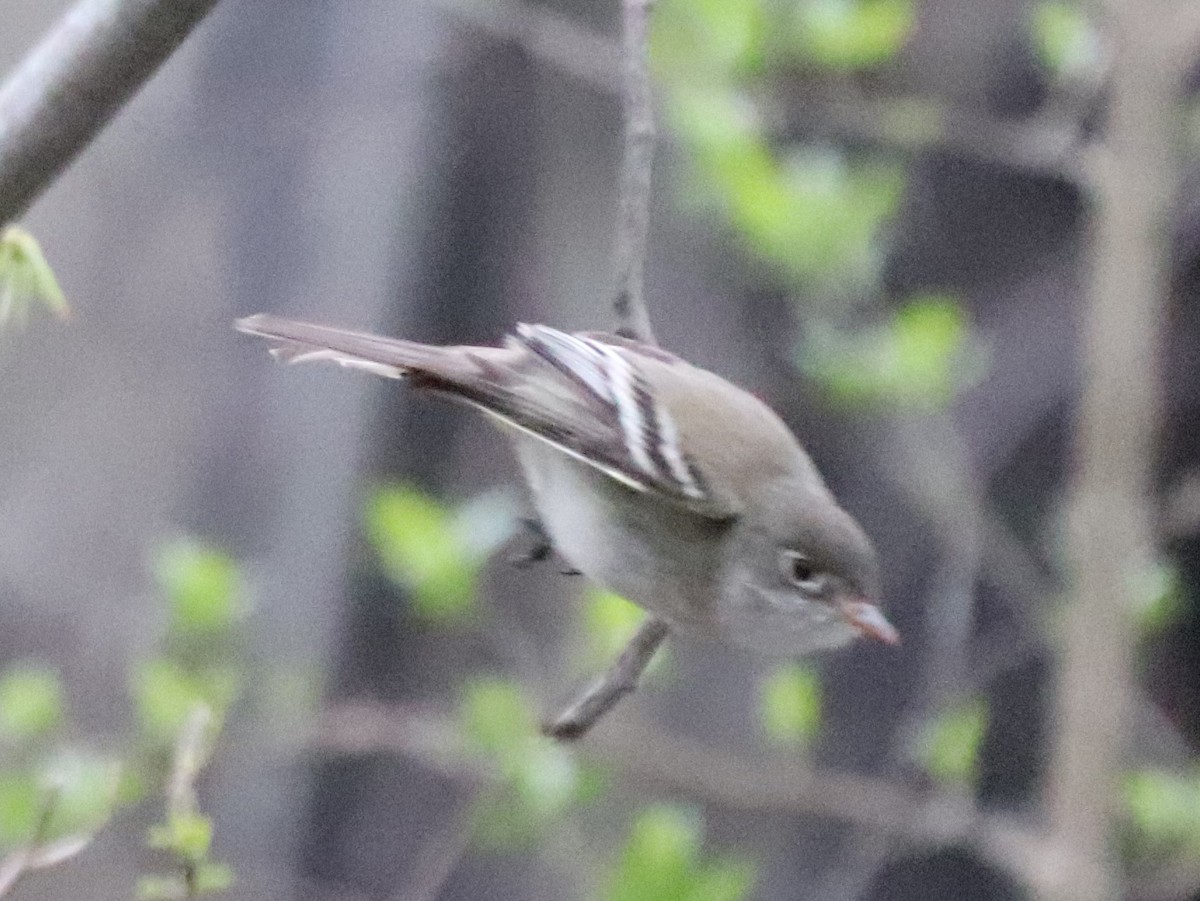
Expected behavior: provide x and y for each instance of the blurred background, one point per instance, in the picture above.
(290, 588)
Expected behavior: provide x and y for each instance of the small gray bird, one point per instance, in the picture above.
(659, 480)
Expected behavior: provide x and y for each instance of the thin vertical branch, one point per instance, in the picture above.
(633, 223)
(1110, 536)
(73, 82)
(633, 321)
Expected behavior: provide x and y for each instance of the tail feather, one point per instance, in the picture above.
(302, 342)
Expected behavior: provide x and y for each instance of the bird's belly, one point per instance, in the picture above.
(614, 536)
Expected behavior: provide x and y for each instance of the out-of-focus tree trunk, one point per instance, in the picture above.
(1134, 171)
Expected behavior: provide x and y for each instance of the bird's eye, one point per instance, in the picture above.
(801, 572)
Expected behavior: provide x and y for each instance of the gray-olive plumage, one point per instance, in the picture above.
(657, 479)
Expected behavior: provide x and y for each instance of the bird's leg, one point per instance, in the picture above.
(541, 548)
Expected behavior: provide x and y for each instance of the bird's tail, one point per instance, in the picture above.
(300, 342)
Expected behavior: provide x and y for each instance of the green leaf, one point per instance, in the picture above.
(19, 808)
(662, 861)
(187, 835)
(1065, 40)
(495, 715)
(949, 744)
(919, 360)
(790, 704)
(165, 695)
(213, 877)
(420, 549)
(611, 621)
(659, 857)
(539, 779)
(1164, 810)
(31, 701)
(25, 276)
(1158, 597)
(202, 585)
(853, 34)
(724, 881)
(83, 791)
(708, 38)
(161, 887)
(815, 215)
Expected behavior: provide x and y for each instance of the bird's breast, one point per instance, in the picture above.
(662, 558)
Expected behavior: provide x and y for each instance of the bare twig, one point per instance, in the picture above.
(69, 86)
(620, 679)
(908, 124)
(40, 853)
(633, 224)
(658, 759)
(191, 753)
(633, 321)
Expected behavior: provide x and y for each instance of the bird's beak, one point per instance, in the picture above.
(869, 620)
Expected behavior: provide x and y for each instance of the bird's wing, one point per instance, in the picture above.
(630, 429)
(585, 395)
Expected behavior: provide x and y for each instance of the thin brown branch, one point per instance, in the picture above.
(658, 760)
(41, 853)
(633, 222)
(1049, 144)
(620, 679)
(73, 82)
(633, 321)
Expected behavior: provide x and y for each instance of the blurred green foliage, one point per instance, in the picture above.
(49, 791)
(165, 692)
(539, 779)
(852, 34)
(83, 785)
(208, 878)
(182, 697)
(206, 601)
(790, 705)
(609, 623)
(1158, 597)
(436, 552)
(201, 585)
(1164, 810)
(1064, 39)
(662, 861)
(948, 746)
(185, 834)
(19, 804)
(26, 278)
(31, 701)
(813, 212)
(56, 794)
(919, 360)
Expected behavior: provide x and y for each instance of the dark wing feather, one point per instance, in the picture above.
(580, 393)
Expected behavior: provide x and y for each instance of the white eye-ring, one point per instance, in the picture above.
(802, 573)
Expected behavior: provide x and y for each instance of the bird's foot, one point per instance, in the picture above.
(540, 549)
